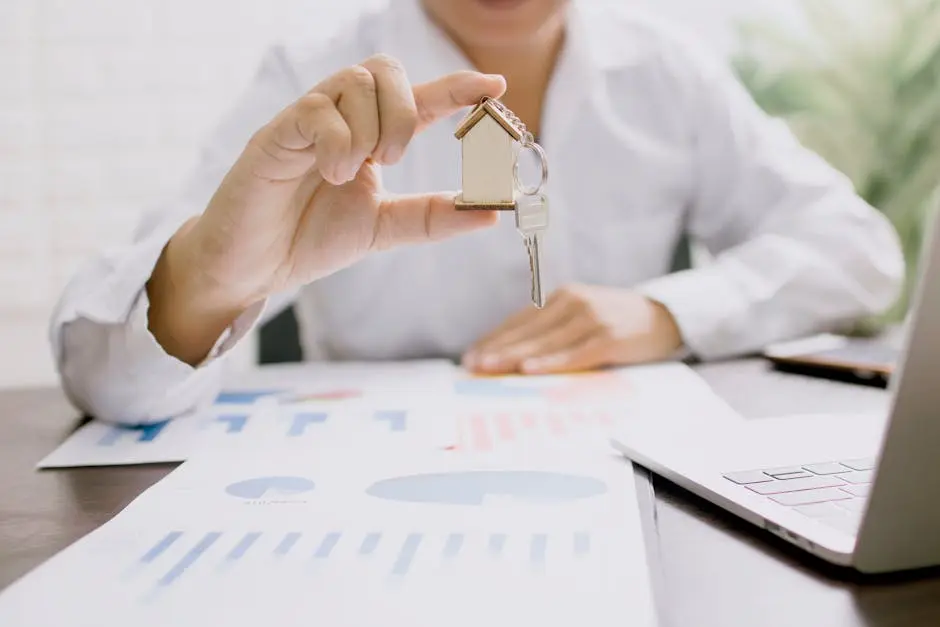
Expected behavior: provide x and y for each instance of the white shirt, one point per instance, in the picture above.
(647, 138)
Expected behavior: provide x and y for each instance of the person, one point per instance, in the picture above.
(321, 188)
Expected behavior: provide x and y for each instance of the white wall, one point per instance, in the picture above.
(102, 106)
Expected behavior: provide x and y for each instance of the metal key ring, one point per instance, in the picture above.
(543, 160)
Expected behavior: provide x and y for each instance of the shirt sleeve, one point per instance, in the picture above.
(110, 365)
(795, 250)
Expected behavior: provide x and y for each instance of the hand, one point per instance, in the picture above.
(305, 199)
(580, 328)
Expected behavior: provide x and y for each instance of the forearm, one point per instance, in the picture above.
(834, 264)
(186, 315)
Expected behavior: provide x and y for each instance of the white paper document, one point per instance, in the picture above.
(398, 420)
(333, 381)
(427, 405)
(358, 537)
(397, 400)
(494, 413)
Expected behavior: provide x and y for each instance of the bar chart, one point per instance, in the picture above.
(214, 552)
(594, 387)
(487, 429)
(393, 550)
(115, 434)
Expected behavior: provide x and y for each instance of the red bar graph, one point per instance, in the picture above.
(480, 438)
(529, 420)
(504, 427)
(483, 431)
(556, 422)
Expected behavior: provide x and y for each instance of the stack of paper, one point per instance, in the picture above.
(364, 494)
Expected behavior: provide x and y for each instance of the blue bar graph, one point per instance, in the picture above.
(582, 543)
(497, 542)
(243, 545)
(287, 543)
(145, 433)
(370, 543)
(235, 423)
(301, 421)
(453, 545)
(538, 548)
(246, 397)
(190, 558)
(327, 545)
(161, 546)
(494, 388)
(452, 550)
(409, 549)
(397, 420)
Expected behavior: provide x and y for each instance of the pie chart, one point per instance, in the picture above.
(479, 487)
(270, 487)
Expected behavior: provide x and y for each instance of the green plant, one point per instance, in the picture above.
(860, 85)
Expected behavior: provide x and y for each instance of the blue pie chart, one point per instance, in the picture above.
(270, 487)
(476, 487)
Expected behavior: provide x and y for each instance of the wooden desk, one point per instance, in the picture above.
(711, 569)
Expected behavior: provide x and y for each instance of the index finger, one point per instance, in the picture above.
(447, 95)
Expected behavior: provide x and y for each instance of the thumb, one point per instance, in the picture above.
(415, 219)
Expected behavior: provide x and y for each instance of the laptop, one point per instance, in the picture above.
(860, 491)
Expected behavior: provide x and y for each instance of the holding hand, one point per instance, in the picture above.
(580, 328)
(305, 199)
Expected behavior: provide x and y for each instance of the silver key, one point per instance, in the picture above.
(532, 222)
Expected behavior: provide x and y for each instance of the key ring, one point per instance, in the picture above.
(529, 142)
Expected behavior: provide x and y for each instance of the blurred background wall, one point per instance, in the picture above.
(103, 104)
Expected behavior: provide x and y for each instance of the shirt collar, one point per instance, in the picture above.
(428, 53)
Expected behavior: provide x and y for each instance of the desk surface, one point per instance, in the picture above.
(712, 569)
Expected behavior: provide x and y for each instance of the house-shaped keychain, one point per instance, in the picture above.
(490, 138)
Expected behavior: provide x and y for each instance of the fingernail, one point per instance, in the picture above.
(490, 361)
(532, 365)
(335, 177)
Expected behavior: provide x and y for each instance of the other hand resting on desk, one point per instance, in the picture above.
(581, 328)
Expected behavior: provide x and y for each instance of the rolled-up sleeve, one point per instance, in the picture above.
(109, 363)
(796, 250)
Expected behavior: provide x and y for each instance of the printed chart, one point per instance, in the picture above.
(499, 412)
(484, 430)
(301, 539)
(231, 424)
(467, 414)
(591, 388)
(174, 554)
(288, 402)
(178, 550)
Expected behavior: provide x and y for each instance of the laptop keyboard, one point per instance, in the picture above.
(834, 493)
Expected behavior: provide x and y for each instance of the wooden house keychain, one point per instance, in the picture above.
(492, 138)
